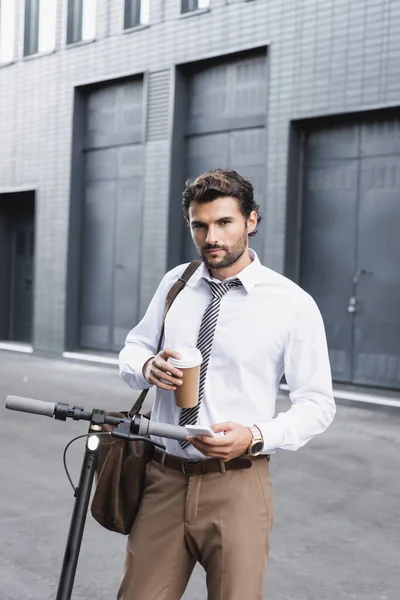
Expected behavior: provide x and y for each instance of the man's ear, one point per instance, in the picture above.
(252, 222)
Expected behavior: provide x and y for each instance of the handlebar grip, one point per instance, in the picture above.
(175, 432)
(29, 405)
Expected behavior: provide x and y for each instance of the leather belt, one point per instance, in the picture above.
(203, 466)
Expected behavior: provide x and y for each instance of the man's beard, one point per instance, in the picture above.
(231, 256)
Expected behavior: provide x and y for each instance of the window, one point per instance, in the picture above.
(40, 26)
(7, 30)
(190, 5)
(137, 12)
(82, 17)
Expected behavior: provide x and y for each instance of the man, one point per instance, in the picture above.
(252, 325)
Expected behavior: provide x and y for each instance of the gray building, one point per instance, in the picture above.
(107, 106)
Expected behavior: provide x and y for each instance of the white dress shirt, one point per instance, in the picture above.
(265, 329)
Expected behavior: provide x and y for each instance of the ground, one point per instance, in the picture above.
(337, 500)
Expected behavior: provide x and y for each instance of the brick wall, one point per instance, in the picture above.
(325, 56)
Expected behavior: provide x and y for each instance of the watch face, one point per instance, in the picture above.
(257, 448)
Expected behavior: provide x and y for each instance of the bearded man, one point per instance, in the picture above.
(208, 499)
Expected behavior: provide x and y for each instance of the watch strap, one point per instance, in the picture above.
(256, 437)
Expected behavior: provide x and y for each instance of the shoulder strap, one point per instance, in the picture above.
(176, 289)
(172, 294)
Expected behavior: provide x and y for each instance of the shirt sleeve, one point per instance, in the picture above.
(308, 375)
(141, 342)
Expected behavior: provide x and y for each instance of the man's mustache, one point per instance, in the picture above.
(205, 248)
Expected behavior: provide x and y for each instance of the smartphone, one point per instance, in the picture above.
(195, 430)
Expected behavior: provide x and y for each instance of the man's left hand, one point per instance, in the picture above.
(234, 443)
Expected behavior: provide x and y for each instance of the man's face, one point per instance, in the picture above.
(220, 231)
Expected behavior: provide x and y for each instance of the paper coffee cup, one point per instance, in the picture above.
(187, 394)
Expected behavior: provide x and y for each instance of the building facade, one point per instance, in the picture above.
(108, 106)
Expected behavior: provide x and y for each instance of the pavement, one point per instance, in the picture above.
(337, 500)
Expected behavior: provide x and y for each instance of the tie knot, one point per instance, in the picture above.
(219, 290)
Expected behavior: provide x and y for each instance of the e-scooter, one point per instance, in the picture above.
(137, 428)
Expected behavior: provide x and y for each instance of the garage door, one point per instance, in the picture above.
(350, 256)
(112, 215)
(226, 126)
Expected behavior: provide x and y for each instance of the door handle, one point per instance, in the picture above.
(352, 307)
(360, 272)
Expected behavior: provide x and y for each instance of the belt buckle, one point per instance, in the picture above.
(185, 463)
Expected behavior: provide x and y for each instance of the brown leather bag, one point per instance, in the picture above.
(121, 464)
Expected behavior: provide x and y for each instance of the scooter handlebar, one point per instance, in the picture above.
(165, 430)
(29, 405)
(52, 409)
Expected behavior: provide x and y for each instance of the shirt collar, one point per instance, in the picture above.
(249, 276)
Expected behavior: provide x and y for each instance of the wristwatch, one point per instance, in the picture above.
(257, 443)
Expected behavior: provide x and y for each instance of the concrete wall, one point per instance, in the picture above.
(325, 57)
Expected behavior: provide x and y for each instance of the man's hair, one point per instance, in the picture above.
(221, 182)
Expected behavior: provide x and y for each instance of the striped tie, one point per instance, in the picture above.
(189, 416)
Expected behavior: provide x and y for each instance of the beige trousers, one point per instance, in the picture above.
(221, 520)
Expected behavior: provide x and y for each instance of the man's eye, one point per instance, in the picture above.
(225, 222)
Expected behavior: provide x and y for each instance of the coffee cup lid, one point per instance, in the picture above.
(191, 357)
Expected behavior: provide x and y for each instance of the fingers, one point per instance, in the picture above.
(164, 366)
(161, 369)
(224, 453)
(162, 380)
(234, 442)
(227, 426)
(168, 353)
(214, 442)
(160, 384)
(161, 373)
(220, 441)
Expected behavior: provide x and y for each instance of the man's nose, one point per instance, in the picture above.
(212, 237)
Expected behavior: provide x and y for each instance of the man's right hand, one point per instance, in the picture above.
(161, 373)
